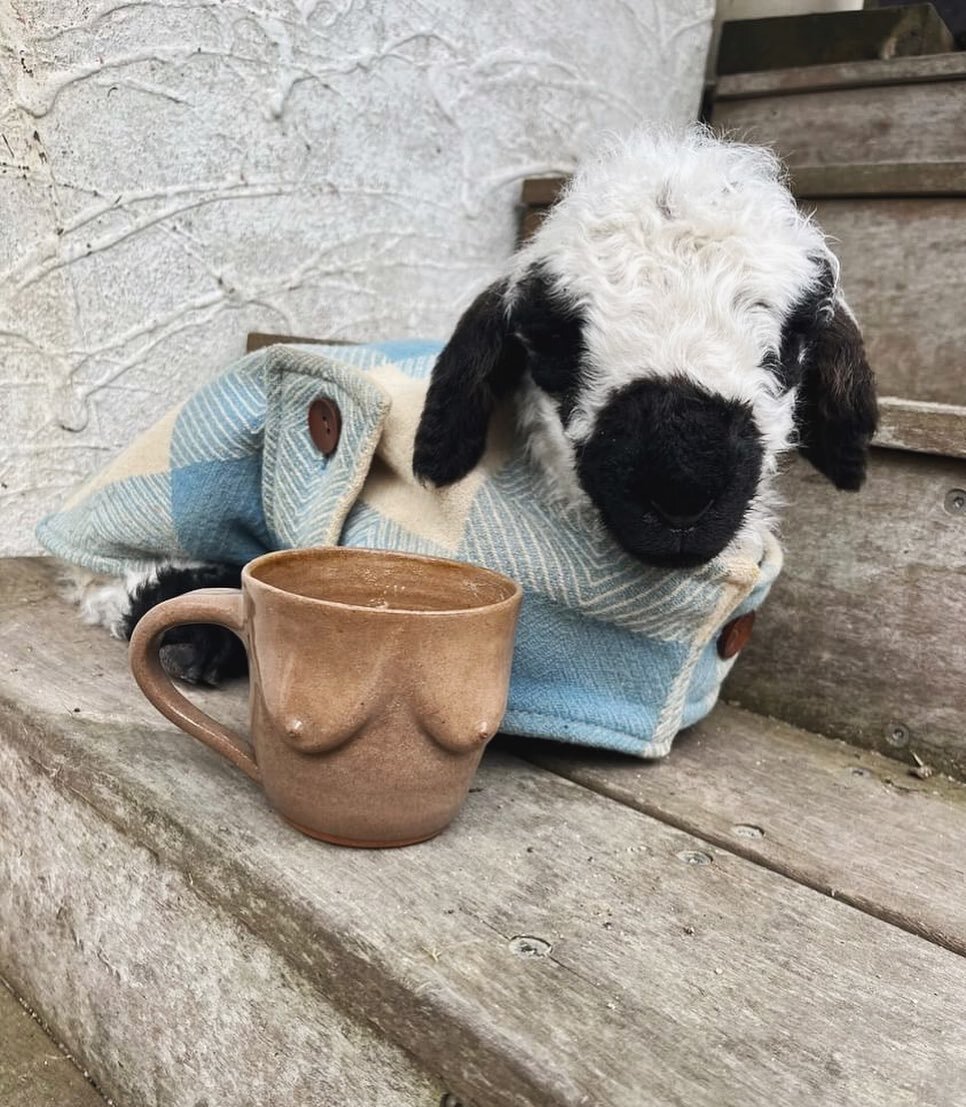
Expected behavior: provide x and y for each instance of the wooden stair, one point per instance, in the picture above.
(34, 1072)
(766, 917)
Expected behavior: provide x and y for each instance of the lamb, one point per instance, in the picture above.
(670, 332)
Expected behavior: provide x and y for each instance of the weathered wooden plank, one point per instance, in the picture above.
(532, 218)
(170, 1000)
(33, 1071)
(922, 428)
(903, 273)
(890, 125)
(846, 822)
(257, 340)
(553, 948)
(862, 635)
(829, 38)
(855, 74)
(916, 179)
(541, 191)
(811, 181)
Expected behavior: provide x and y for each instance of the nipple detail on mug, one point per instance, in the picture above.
(295, 730)
(464, 740)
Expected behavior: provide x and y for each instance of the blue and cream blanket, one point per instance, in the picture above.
(609, 652)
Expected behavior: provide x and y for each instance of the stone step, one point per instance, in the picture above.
(573, 942)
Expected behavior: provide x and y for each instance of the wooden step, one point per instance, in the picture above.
(862, 635)
(872, 73)
(831, 37)
(905, 111)
(557, 946)
(923, 428)
(34, 1072)
(843, 821)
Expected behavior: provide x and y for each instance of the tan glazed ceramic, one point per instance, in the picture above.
(376, 681)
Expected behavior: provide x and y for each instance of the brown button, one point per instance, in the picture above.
(325, 425)
(734, 636)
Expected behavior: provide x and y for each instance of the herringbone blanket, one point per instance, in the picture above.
(609, 652)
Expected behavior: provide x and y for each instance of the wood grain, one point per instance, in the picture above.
(257, 340)
(554, 948)
(856, 74)
(903, 274)
(846, 822)
(541, 191)
(532, 218)
(830, 38)
(168, 1000)
(33, 1071)
(893, 179)
(862, 635)
(892, 124)
(937, 178)
(922, 428)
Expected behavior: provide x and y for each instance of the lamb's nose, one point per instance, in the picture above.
(675, 518)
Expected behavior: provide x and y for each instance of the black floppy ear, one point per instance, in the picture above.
(836, 409)
(479, 364)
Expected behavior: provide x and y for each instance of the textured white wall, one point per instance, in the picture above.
(174, 174)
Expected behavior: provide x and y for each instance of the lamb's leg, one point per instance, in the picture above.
(199, 653)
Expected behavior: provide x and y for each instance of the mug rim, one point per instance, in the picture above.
(249, 580)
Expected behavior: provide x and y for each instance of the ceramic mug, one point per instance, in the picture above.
(377, 679)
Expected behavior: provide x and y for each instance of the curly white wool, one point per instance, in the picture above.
(685, 255)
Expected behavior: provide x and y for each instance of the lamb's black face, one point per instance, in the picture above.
(672, 470)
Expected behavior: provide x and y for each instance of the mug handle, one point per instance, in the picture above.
(222, 606)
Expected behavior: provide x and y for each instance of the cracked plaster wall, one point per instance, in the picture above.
(174, 174)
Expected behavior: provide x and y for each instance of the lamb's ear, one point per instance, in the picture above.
(836, 409)
(479, 364)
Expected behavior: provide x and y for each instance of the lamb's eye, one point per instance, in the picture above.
(555, 371)
(543, 341)
(550, 329)
(553, 357)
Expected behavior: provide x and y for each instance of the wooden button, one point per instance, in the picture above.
(325, 425)
(734, 636)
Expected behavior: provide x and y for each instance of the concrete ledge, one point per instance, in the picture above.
(555, 947)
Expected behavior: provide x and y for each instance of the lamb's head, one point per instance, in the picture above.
(674, 325)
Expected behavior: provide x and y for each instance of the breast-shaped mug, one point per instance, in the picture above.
(377, 678)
